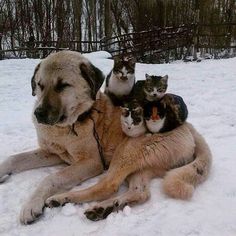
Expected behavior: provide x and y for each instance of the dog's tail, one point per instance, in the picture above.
(180, 182)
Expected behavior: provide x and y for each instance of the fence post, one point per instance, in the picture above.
(196, 31)
(1, 53)
(103, 45)
(1, 34)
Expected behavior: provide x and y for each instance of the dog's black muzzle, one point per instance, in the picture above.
(48, 116)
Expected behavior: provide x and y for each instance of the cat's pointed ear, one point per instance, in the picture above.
(122, 108)
(165, 78)
(148, 77)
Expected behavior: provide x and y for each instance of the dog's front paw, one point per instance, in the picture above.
(31, 211)
(98, 213)
(57, 200)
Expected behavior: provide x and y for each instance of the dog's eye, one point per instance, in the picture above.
(61, 86)
(41, 86)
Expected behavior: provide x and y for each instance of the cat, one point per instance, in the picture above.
(120, 81)
(166, 114)
(151, 89)
(132, 121)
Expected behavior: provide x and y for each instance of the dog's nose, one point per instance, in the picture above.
(40, 114)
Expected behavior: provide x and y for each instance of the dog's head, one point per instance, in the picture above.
(65, 84)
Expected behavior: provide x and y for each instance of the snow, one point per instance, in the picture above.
(208, 88)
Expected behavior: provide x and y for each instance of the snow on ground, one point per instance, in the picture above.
(209, 89)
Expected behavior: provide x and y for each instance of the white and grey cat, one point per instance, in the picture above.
(120, 81)
(132, 121)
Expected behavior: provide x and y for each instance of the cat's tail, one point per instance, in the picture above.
(180, 182)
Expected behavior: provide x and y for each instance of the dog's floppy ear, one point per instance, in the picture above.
(93, 76)
(33, 83)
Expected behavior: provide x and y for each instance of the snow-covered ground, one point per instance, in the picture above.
(208, 88)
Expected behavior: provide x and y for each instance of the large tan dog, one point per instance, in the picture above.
(78, 125)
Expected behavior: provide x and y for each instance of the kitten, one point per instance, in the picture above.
(120, 81)
(151, 89)
(155, 87)
(132, 122)
(166, 114)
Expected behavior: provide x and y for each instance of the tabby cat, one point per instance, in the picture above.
(151, 89)
(120, 81)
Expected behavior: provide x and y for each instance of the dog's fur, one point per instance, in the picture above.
(67, 115)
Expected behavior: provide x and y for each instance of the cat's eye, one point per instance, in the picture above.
(117, 71)
(137, 112)
(149, 89)
(125, 112)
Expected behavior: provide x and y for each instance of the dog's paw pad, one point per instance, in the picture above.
(91, 215)
(55, 203)
(108, 211)
(98, 213)
(52, 203)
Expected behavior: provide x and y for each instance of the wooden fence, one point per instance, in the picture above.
(152, 45)
(157, 45)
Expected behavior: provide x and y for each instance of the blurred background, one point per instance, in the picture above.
(155, 31)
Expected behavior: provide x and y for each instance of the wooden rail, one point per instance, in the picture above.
(160, 44)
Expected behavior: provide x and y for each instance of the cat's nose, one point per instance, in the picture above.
(124, 78)
(154, 94)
